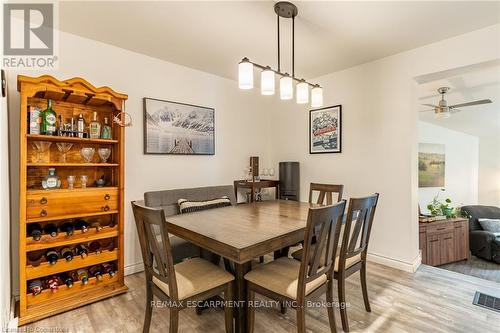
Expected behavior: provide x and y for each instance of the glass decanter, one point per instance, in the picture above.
(51, 181)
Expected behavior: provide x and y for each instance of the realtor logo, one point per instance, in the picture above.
(28, 36)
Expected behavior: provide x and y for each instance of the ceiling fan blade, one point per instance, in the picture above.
(483, 101)
(454, 110)
(432, 106)
(426, 110)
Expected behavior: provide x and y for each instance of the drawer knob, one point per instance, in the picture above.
(43, 213)
(43, 201)
(105, 208)
(107, 197)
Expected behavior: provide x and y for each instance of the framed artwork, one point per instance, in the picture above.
(431, 164)
(177, 128)
(325, 130)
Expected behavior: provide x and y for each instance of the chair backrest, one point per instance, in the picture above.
(357, 228)
(328, 220)
(326, 191)
(156, 253)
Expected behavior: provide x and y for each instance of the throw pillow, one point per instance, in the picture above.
(491, 225)
(188, 206)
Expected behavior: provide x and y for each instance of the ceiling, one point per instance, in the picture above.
(480, 120)
(214, 36)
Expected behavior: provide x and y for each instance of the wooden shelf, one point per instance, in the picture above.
(70, 216)
(78, 237)
(75, 190)
(46, 269)
(53, 138)
(69, 165)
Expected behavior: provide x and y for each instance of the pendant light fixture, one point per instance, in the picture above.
(246, 67)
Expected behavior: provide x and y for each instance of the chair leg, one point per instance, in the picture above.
(261, 259)
(343, 308)
(301, 318)
(149, 309)
(283, 307)
(174, 320)
(250, 310)
(228, 310)
(330, 306)
(364, 287)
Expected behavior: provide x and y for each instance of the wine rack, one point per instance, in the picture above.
(90, 201)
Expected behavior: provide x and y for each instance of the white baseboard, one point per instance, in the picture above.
(394, 263)
(134, 268)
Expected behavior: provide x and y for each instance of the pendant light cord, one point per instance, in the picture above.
(293, 46)
(279, 63)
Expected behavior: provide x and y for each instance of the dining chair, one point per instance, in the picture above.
(176, 285)
(294, 282)
(354, 248)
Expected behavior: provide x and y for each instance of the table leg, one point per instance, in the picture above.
(240, 295)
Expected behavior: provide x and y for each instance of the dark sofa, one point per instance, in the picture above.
(483, 244)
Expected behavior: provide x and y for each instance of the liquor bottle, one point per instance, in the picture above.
(82, 251)
(80, 125)
(35, 258)
(83, 275)
(94, 128)
(95, 247)
(51, 181)
(60, 128)
(48, 126)
(50, 229)
(68, 228)
(52, 283)
(35, 287)
(96, 271)
(109, 268)
(51, 256)
(82, 225)
(34, 120)
(67, 253)
(35, 231)
(97, 226)
(106, 130)
(66, 278)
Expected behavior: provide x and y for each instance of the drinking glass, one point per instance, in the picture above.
(87, 154)
(71, 182)
(84, 179)
(272, 172)
(40, 147)
(104, 154)
(64, 147)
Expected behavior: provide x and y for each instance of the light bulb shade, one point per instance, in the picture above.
(317, 97)
(302, 93)
(286, 87)
(442, 115)
(267, 82)
(245, 75)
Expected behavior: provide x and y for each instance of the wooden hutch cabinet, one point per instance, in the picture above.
(99, 205)
(446, 241)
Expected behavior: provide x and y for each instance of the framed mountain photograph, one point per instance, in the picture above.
(178, 128)
(325, 130)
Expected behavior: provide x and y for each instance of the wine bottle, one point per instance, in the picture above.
(96, 271)
(97, 226)
(48, 125)
(67, 254)
(51, 256)
(82, 225)
(95, 247)
(94, 128)
(83, 275)
(82, 251)
(52, 283)
(50, 229)
(68, 228)
(80, 125)
(67, 279)
(35, 258)
(35, 231)
(35, 287)
(106, 130)
(109, 268)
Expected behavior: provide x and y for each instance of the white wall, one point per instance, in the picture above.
(379, 101)
(240, 127)
(489, 171)
(461, 165)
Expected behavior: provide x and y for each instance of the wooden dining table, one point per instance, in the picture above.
(240, 234)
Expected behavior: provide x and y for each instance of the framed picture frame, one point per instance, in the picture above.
(173, 128)
(325, 130)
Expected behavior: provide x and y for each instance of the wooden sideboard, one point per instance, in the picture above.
(446, 241)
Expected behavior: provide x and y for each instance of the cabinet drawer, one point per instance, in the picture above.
(59, 203)
(440, 228)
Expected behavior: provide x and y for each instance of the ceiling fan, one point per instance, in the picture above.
(443, 110)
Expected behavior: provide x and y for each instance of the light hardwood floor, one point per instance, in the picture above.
(477, 267)
(431, 300)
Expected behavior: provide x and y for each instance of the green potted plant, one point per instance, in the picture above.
(438, 207)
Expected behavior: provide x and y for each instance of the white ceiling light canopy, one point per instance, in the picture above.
(286, 10)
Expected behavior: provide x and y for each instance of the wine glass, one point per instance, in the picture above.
(84, 179)
(272, 172)
(71, 182)
(104, 154)
(87, 154)
(64, 147)
(40, 147)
